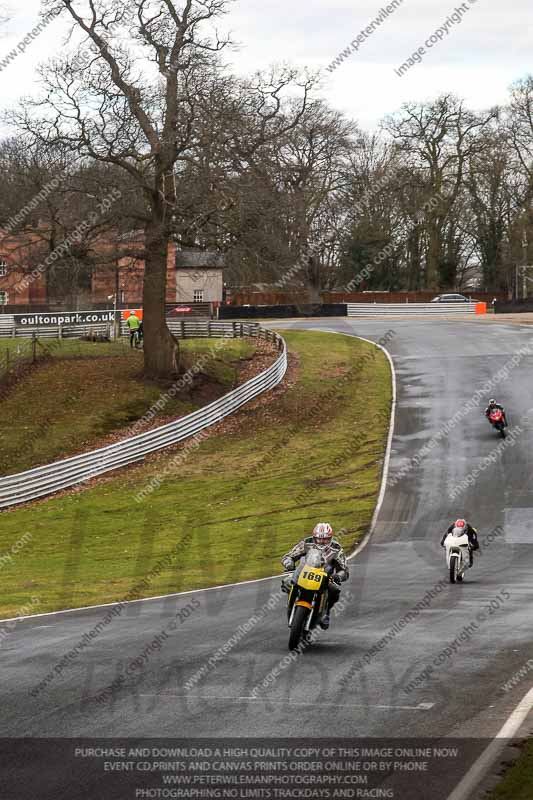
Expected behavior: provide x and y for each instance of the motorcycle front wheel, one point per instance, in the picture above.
(453, 569)
(297, 626)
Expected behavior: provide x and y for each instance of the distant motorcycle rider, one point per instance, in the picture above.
(462, 525)
(494, 406)
(322, 538)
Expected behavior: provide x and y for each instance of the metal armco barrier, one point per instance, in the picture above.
(380, 309)
(7, 323)
(46, 480)
(182, 329)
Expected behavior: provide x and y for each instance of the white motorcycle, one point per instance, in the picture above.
(457, 554)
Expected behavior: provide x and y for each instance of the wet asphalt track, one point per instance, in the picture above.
(438, 365)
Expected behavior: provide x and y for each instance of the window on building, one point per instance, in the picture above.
(3, 267)
(3, 298)
(198, 295)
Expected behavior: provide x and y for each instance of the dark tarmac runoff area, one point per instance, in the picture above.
(408, 656)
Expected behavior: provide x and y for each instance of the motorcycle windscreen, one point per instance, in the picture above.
(314, 558)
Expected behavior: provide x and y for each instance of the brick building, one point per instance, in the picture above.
(193, 276)
(16, 252)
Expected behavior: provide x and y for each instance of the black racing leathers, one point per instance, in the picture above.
(470, 532)
(472, 539)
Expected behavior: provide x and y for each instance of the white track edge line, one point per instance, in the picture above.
(388, 449)
(141, 599)
(357, 550)
(485, 761)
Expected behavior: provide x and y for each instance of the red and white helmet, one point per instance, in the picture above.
(459, 527)
(322, 534)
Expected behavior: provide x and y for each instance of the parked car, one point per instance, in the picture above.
(453, 298)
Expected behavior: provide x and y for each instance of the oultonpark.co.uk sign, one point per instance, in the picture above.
(63, 318)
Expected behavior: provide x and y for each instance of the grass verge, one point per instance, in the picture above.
(85, 391)
(228, 509)
(517, 782)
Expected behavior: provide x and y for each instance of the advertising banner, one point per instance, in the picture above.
(42, 319)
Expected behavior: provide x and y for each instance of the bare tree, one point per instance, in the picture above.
(496, 191)
(438, 137)
(312, 169)
(127, 96)
(520, 123)
(286, 203)
(375, 198)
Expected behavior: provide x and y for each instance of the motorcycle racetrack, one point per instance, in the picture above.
(407, 655)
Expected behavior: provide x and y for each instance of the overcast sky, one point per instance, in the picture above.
(477, 59)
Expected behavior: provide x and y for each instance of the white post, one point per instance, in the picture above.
(116, 322)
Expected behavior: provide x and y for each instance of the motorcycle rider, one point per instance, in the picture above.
(463, 525)
(494, 406)
(322, 538)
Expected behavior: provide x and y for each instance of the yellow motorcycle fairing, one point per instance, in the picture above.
(311, 578)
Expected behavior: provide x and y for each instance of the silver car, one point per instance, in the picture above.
(452, 298)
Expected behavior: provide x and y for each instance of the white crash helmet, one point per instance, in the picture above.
(322, 534)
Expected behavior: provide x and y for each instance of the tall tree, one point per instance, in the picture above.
(439, 137)
(127, 95)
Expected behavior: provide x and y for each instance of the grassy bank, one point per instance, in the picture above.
(81, 392)
(228, 509)
(517, 783)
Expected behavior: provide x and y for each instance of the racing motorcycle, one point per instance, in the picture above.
(308, 594)
(457, 554)
(497, 421)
